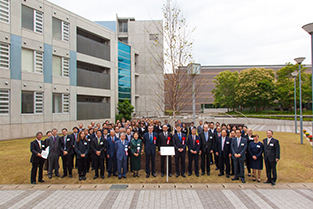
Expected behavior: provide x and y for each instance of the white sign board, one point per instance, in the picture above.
(165, 151)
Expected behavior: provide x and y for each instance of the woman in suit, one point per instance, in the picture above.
(184, 129)
(82, 150)
(255, 150)
(142, 130)
(135, 148)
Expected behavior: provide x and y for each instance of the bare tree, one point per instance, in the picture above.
(173, 85)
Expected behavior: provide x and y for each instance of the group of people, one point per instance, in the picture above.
(119, 147)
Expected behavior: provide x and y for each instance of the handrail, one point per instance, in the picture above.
(243, 115)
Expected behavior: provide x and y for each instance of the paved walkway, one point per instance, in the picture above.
(157, 196)
(278, 128)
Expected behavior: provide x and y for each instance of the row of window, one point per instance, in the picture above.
(33, 20)
(32, 102)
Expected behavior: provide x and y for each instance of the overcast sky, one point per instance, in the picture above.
(228, 32)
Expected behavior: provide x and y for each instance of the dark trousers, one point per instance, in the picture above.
(74, 165)
(248, 162)
(148, 157)
(67, 164)
(224, 161)
(112, 165)
(271, 169)
(53, 163)
(34, 172)
(129, 162)
(163, 159)
(98, 163)
(122, 164)
(216, 160)
(205, 157)
(239, 168)
(181, 156)
(232, 166)
(106, 161)
(89, 159)
(46, 167)
(193, 157)
(82, 166)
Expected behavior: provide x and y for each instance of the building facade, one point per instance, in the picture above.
(58, 69)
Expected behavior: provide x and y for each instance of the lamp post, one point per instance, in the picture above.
(294, 75)
(299, 60)
(193, 70)
(309, 29)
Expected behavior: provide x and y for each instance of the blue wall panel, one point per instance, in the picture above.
(73, 68)
(47, 63)
(16, 57)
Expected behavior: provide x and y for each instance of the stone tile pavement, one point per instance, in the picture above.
(231, 195)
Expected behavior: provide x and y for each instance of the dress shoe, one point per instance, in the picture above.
(33, 182)
(57, 174)
(177, 175)
(95, 177)
(231, 174)
(114, 174)
(102, 176)
(273, 183)
(197, 174)
(227, 175)
(209, 174)
(170, 175)
(137, 174)
(162, 174)
(109, 175)
(189, 174)
(120, 177)
(41, 181)
(147, 176)
(267, 182)
(202, 173)
(153, 175)
(124, 177)
(243, 180)
(183, 175)
(84, 178)
(134, 175)
(220, 174)
(63, 176)
(80, 178)
(71, 176)
(50, 176)
(234, 179)
(216, 169)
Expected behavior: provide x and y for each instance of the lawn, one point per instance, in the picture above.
(296, 165)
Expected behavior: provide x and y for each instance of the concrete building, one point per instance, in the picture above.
(58, 69)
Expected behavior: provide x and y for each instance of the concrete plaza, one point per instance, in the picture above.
(150, 196)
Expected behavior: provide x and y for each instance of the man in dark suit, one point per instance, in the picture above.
(179, 142)
(149, 140)
(54, 153)
(36, 148)
(66, 150)
(46, 166)
(74, 137)
(111, 155)
(98, 148)
(121, 149)
(223, 152)
(168, 126)
(165, 139)
(157, 128)
(271, 156)
(192, 126)
(238, 148)
(194, 145)
(207, 144)
(200, 127)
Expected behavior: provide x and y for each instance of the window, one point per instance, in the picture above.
(60, 66)
(123, 27)
(4, 55)
(60, 30)
(61, 103)
(32, 61)
(5, 11)
(32, 102)
(153, 37)
(32, 19)
(4, 101)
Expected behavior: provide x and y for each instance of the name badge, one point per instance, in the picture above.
(210, 137)
(85, 143)
(68, 140)
(258, 146)
(242, 144)
(227, 142)
(101, 143)
(43, 145)
(89, 140)
(272, 145)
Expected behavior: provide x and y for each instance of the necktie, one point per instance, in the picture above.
(268, 141)
(206, 136)
(55, 138)
(151, 138)
(238, 141)
(179, 137)
(64, 142)
(194, 140)
(98, 141)
(223, 140)
(113, 140)
(39, 142)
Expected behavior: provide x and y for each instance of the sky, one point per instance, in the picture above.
(228, 32)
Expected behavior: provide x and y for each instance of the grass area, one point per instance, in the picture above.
(296, 165)
(271, 112)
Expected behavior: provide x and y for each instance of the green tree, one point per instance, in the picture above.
(256, 88)
(224, 92)
(285, 85)
(125, 110)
